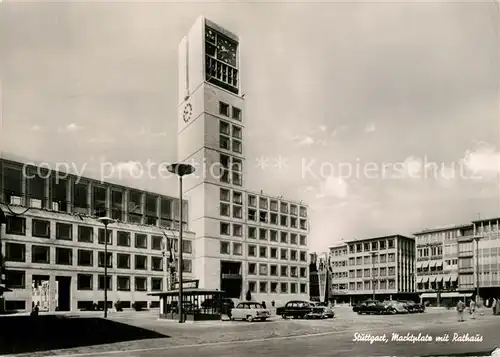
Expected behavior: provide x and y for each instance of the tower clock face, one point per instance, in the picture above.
(187, 112)
(221, 47)
(226, 51)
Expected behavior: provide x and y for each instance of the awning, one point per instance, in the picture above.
(451, 295)
(439, 264)
(425, 265)
(454, 277)
(420, 279)
(425, 279)
(429, 296)
(432, 265)
(432, 279)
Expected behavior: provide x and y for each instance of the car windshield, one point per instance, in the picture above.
(246, 305)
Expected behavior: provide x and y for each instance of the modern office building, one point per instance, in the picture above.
(237, 240)
(244, 241)
(54, 250)
(380, 266)
(340, 272)
(479, 258)
(438, 263)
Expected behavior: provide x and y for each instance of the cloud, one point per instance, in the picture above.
(36, 127)
(73, 127)
(333, 187)
(322, 128)
(484, 161)
(305, 140)
(131, 168)
(369, 128)
(101, 140)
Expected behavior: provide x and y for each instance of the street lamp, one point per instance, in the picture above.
(476, 239)
(374, 254)
(106, 221)
(180, 170)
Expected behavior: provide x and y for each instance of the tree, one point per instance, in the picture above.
(249, 296)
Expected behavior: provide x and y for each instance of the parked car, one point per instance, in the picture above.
(395, 307)
(250, 311)
(355, 308)
(296, 309)
(413, 307)
(372, 307)
(320, 311)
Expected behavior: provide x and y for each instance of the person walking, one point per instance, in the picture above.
(494, 306)
(460, 310)
(472, 309)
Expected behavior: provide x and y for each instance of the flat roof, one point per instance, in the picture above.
(381, 237)
(443, 228)
(188, 291)
(337, 245)
(486, 220)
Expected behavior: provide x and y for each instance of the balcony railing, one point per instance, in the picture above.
(221, 74)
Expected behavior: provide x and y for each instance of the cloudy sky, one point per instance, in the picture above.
(347, 105)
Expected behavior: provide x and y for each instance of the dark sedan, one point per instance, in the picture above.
(372, 307)
(296, 309)
(413, 307)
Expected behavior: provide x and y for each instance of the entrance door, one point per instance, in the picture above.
(64, 293)
(231, 280)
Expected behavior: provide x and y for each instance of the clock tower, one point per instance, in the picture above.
(210, 136)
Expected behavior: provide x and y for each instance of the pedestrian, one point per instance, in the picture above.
(263, 304)
(472, 308)
(273, 303)
(494, 306)
(460, 310)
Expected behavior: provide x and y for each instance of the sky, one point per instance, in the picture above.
(383, 117)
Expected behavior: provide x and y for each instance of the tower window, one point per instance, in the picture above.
(223, 109)
(236, 115)
(224, 128)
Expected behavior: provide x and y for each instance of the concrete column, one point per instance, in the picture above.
(158, 210)
(90, 203)
(143, 207)
(46, 193)
(109, 204)
(69, 194)
(125, 204)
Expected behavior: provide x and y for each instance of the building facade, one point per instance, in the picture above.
(438, 263)
(53, 243)
(479, 258)
(340, 272)
(244, 241)
(381, 266)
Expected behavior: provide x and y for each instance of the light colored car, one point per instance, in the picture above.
(395, 307)
(250, 311)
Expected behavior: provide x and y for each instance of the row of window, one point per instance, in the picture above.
(81, 196)
(438, 285)
(230, 137)
(373, 246)
(237, 198)
(40, 254)
(284, 270)
(382, 258)
(389, 271)
(230, 111)
(272, 287)
(232, 170)
(263, 251)
(16, 252)
(436, 237)
(284, 237)
(17, 279)
(373, 285)
(434, 251)
(86, 234)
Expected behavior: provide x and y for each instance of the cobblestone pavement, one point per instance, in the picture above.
(339, 329)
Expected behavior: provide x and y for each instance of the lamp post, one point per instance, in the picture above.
(180, 170)
(106, 221)
(374, 254)
(476, 239)
(3, 220)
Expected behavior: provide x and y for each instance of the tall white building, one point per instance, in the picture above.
(244, 241)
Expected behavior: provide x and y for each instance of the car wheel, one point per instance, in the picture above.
(359, 312)
(283, 316)
(249, 318)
